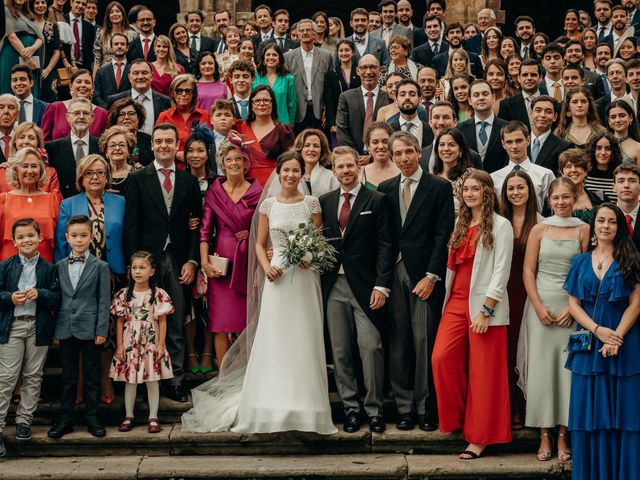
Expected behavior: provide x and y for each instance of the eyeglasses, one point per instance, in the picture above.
(145, 20)
(261, 101)
(81, 114)
(121, 146)
(127, 115)
(184, 91)
(369, 67)
(98, 173)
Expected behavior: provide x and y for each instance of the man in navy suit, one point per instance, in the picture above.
(81, 53)
(454, 34)
(626, 184)
(525, 29)
(408, 96)
(280, 36)
(364, 43)
(545, 147)
(632, 11)
(517, 107)
(197, 41)
(142, 45)
(30, 109)
(113, 77)
(433, 44)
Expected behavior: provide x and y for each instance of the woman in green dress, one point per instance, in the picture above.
(273, 72)
(23, 43)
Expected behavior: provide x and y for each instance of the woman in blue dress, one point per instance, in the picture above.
(604, 289)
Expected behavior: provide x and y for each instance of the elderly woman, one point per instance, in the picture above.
(381, 168)
(314, 148)
(230, 55)
(229, 206)
(165, 67)
(116, 144)
(54, 121)
(130, 114)
(399, 51)
(23, 41)
(269, 137)
(184, 97)
(27, 174)
(273, 72)
(28, 134)
(106, 211)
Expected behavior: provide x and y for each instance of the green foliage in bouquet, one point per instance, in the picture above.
(307, 244)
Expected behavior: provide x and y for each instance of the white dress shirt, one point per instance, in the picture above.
(607, 29)
(198, 40)
(266, 36)
(633, 213)
(417, 175)
(529, 98)
(307, 59)
(85, 146)
(28, 108)
(551, 89)
(76, 268)
(416, 127)
(147, 104)
(362, 48)
(540, 176)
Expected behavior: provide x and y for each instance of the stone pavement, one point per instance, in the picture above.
(386, 466)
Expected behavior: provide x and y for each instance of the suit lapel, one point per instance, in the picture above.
(422, 193)
(153, 185)
(331, 215)
(90, 265)
(394, 198)
(314, 64)
(179, 190)
(495, 135)
(546, 149)
(63, 272)
(471, 136)
(522, 107)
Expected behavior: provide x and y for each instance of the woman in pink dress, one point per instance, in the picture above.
(165, 68)
(269, 138)
(228, 209)
(210, 88)
(54, 121)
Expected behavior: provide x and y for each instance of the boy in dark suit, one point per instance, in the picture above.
(82, 326)
(29, 292)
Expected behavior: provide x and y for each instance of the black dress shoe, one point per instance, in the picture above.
(96, 430)
(405, 422)
(60, 429)
(351, 423)
(427, 423)
(176, 393)
(377, 424)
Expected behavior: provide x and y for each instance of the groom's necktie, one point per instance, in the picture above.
(345, 210)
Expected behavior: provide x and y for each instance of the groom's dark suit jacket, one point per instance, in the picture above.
(365, 250)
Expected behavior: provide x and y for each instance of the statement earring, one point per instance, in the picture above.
(594, 240)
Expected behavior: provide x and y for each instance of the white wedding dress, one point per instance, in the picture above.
(285, 383)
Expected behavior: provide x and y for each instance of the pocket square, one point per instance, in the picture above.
(368, 212)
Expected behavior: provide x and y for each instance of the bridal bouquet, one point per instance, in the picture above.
(307, 244)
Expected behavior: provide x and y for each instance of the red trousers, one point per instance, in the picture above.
(470, 374)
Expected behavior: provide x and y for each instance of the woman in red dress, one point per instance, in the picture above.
(269, 138)
(520, 207)
(470, 353)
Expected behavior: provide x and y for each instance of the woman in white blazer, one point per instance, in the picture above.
(470, 353)
(314, 148)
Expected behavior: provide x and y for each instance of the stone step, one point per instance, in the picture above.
(173, 441)
(353, 467)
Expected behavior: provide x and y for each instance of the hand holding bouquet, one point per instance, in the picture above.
(307, 247)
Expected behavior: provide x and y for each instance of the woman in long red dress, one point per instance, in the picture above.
(269, 137)
(470, 353)
(520, 207)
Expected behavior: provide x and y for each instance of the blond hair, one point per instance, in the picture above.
(84, 164)
(17, 159)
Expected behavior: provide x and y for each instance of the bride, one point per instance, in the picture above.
(273, 378)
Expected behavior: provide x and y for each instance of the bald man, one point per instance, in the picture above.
(358, 107)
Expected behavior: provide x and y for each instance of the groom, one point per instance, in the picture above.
(356, 289)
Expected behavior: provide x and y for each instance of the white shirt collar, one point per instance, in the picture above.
(490, 119)
(85, 139)
(535, 95)
(150, 37)
(415, 120)
(135, 94)
(114, 62)
(24, 260)
(29, 99)
(159, 167)
(375, 91)
(417, 175)
(524, 165)
(633, 213)
(542, 138)
(197, 35)
(354, 192)
(238, 99)
(72, 17)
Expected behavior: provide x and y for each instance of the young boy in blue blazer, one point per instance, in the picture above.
(29, 292)
(81, 326)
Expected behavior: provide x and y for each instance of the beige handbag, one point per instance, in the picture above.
(219, 264)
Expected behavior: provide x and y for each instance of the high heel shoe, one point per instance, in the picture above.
(206, 369)
(564, 455)
(545, 455)
(195, 369)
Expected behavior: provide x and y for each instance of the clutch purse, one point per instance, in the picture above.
(64, 76)
(221, 264)
(580, 341)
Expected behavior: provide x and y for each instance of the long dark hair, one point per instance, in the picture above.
(633, 128)
(624, 251)
(452, 98)
(148, 256)
(251, 116)
(464, 162)
(530, 210)
(281, 69)
(564, 122)
(616, 152)
(216, 68)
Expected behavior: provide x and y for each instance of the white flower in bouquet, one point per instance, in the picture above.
(307, 257)
(306, 244)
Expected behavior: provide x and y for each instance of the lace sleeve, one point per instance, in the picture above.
(313, 204)
(265, 206)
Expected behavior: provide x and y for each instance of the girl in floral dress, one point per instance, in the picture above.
(141, 355)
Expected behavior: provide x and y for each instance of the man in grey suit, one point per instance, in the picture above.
(390, 29)
(358, 107)
(82, 325)
(363, 41)
(309, 66)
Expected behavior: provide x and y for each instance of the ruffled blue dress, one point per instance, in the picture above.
(604, 416)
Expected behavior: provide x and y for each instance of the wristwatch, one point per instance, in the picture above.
(433, 278)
